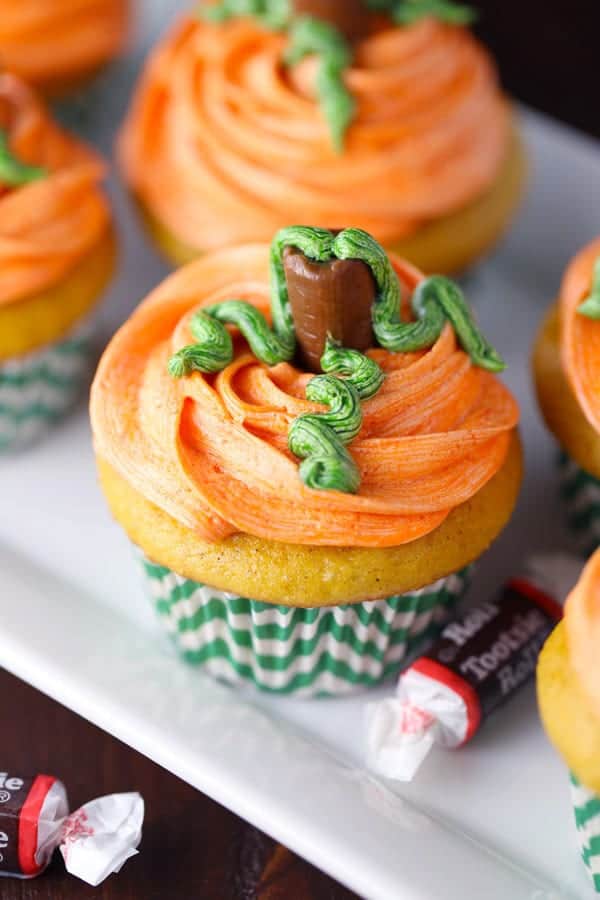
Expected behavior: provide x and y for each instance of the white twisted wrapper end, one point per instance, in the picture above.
(100, 837)
(401, 730)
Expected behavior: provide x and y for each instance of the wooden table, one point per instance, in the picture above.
(192, 847)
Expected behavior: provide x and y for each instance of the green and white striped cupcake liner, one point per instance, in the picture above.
(581, 494)
(38, 388)
(306, 652)
(586, 806)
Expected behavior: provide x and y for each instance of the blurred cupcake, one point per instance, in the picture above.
(306, 476)
(567, 376)
(57, 251)
(569, 698)
(330, 113)
(58, 44)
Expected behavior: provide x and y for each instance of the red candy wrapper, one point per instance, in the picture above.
(95, 840)
(478, 663)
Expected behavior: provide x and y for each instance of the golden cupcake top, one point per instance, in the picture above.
(52, 209)
(582, 623)
(279, 114)
(49, 42)
(580, 330)
(207, 402)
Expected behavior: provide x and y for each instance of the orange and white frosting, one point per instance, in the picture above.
(582, 621)
(580, 335)
(48, 225)
(211, 450)
(50, 41)
(224, 144)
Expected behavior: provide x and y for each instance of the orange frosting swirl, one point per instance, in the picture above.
(211, 451)
(47, 226)
(580, 335)
(582, 621)
(224, 144)
(49, 41)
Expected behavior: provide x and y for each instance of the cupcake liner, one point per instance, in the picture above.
(38, 388)
(586, 806)
(580, 492)
(308, 652)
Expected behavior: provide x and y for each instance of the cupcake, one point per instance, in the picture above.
(567, 374)
(329, 112)
(306, 468)
(568, 680)
(57, 251)
(58, 44)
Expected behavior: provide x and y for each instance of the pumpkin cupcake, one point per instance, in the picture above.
(58, 44)
(308, 446)
(567, 376)
(388, 115)
(569, 697)
(57, 253)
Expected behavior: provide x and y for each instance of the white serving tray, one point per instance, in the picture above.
(490, 821)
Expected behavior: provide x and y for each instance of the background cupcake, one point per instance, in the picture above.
(56, 255)
(346, 505)
(331, 114)
(567, 375)
(569, 698)
(57, 44)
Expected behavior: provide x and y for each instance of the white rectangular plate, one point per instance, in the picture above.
(492, 820)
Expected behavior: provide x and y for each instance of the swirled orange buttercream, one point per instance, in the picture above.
(224, 144)
(47, 226)
(211, 451)
(582, 621)
(580, 335)
(49, 41)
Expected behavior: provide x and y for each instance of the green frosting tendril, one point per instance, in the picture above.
(319, 439)
(212, 353)
(435, 300)
(13, 172)
(364, 373)
(590, 307)
(275, 14)
(309, 37)
(264, 342)
(407, 12)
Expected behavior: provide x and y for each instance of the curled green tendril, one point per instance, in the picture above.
(213, 352)
(345, 413)
(319, 438)
(590, 307)
(435, 300)
(13, 172)
(364, 373)
(310, 36)
(264, 343)
(407, 12)
(275, 14)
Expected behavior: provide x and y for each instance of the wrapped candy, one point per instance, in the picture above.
(478, 663)
(95, 840)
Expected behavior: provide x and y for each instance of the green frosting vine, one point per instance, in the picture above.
(435, 300)
(308, 37)
(590, 307)
(13, 172)
(320, 439)
(407, 12)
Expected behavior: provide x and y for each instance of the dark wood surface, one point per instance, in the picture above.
(192, 848)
